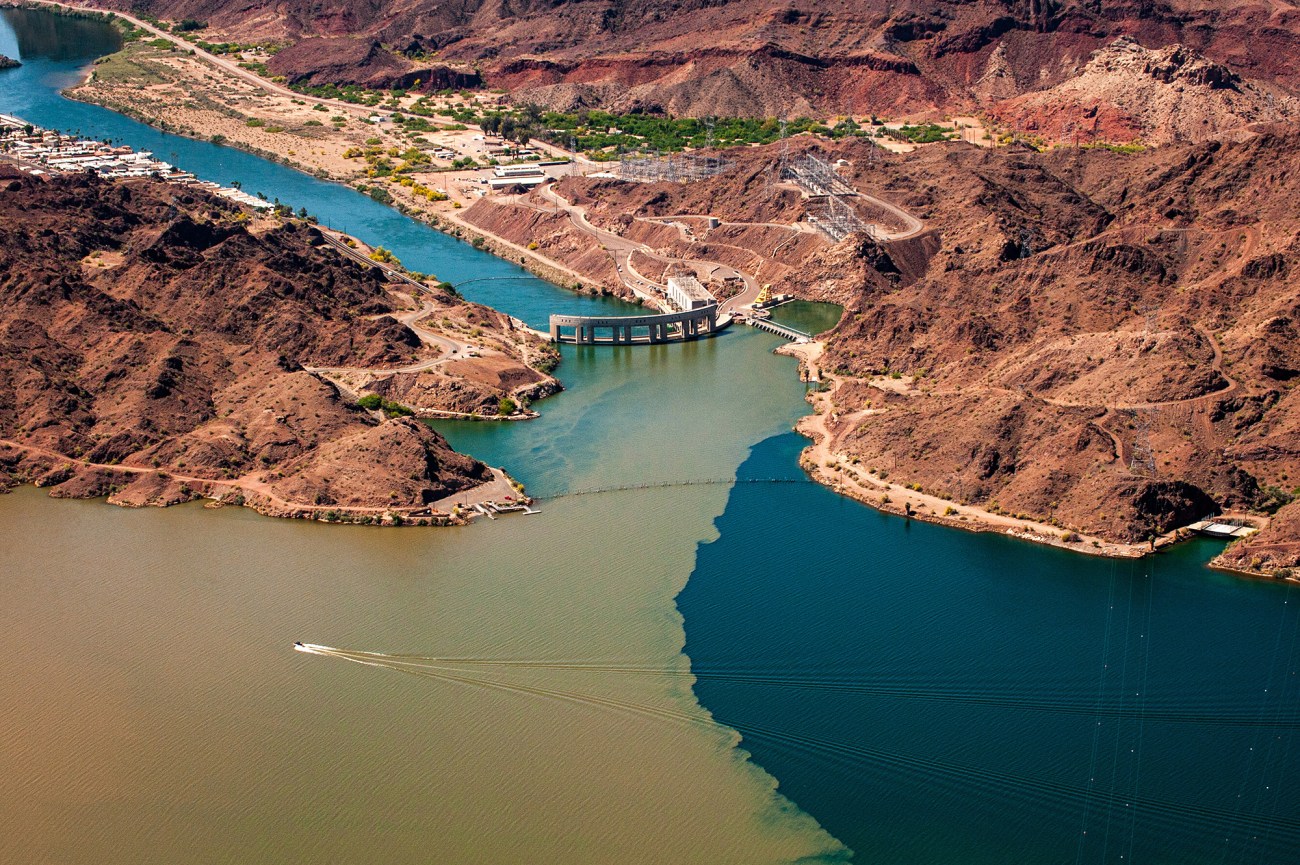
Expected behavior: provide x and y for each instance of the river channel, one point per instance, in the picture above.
(691, 655)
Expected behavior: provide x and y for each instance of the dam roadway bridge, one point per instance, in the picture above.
(638, 329)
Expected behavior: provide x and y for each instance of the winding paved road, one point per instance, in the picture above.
(913, 225)
(623, 248)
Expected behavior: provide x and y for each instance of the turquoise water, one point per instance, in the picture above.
(929, 696)
(809, 317)
(32, 92)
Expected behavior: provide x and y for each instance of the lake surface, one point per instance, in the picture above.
(919, 694)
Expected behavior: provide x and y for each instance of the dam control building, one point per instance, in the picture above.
(686, 293)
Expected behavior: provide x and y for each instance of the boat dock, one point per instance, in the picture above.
(492, 510)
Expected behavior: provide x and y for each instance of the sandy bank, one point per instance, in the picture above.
(828, 465)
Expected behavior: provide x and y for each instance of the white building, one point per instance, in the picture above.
(686, 293)
(515, 180)
(518, 171)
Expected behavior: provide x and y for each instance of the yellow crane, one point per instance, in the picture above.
(764, 296)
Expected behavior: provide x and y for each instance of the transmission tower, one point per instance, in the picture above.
(1142, 463)
(785, 150)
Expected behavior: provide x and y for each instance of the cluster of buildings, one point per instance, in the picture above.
(40, 152)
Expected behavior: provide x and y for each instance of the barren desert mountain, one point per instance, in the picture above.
(1099, 340)
(1159, 96)
(1112, 334)
(343, 59)
(154, 345)
(754, 57)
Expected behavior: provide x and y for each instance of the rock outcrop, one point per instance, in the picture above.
(154, 346)
(8, 62)
(1102, 340)
(363, 61)
(1128, 93)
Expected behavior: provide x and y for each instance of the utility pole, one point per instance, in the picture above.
(785, 150)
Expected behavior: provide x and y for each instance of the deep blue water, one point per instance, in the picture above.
(930, 696)
(941, 697)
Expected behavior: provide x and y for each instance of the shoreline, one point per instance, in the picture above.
(831, 468)
(448, 222)
(173, 489)
(167, 488)
(438, 218)
(133, 485)
(840, 475)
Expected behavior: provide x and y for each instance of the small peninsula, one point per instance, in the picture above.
(162, 344)
(8, 62)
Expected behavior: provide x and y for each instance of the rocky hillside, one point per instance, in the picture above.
(1128, 93)
(349, 60)
(765, 57)
(153, 345)
(1101, 341)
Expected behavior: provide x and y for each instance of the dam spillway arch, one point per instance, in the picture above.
(637, 329)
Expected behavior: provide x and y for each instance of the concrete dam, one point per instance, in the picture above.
(637, 329)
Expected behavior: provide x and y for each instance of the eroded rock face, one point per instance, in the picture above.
(8, 62)
(153, 344)
(364, 61)
(1156, 96)
(1126, 370)
(765, 57)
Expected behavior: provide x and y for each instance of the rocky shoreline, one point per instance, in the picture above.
(1031, 367)
(841, 473)
(160, 353)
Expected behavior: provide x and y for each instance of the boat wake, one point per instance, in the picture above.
(1034, 698)
(479, 673)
